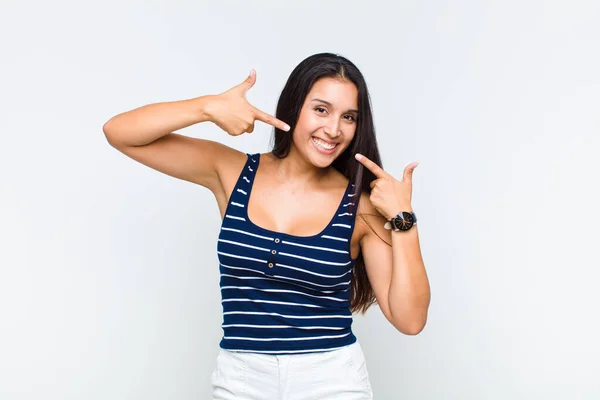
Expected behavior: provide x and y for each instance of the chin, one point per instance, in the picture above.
(321, 160)
(320, 163)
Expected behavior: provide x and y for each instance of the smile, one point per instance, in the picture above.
(321, 144)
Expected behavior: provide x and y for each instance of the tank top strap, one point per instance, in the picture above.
(250, 168)
(346, 213)
(241, 191)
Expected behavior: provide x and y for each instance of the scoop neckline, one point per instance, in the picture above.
(251, 186)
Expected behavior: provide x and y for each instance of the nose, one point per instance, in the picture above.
(332, 128)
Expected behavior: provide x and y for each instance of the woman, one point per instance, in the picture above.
(295, 262)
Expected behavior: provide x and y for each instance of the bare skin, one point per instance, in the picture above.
(279, 206)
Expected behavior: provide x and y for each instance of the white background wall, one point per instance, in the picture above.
(108, 269)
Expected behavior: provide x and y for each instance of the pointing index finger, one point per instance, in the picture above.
(271, 120)
(371, 166)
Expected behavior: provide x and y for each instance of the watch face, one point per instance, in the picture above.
(404, 223)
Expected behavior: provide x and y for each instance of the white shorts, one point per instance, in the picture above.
(330, 375)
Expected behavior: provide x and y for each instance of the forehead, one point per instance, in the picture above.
(340, 93)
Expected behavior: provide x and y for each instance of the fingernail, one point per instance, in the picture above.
(358, 156)
(286, 128)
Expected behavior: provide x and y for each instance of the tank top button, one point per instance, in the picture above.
(270, 265)
(273, 251)
(276, 240)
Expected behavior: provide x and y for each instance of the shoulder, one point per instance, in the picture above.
(229, 164)
(231, 161)
(365, 208)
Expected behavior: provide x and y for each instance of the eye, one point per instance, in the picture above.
(319, 108)
(351, 117)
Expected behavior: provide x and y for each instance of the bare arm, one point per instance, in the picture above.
(144, 125)
(146, 135)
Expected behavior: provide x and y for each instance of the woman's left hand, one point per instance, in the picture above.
(388, 195)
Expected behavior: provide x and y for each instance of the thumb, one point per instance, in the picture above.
(249, 82)
(408, 171)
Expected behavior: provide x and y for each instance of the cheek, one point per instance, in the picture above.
(304, 129)
(349, 135)
(308, 125)
(301, 133)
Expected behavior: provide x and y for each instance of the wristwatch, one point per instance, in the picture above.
(402, 222)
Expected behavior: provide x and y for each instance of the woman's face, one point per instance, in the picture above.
(327, 121)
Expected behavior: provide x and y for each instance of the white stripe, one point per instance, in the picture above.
(234, 217)
(246, 179)
(342, 225)
(250, 168)
(341, 215)
(283, 326)
(316, 247)
(273, 302)
(311, 283)
(286, 339)
(253, 160)
(312, 273)
(346, 205)
(271, 279)
(237, 204)
(287, 316)
(243, 258)
(334, 238)
(241, 191)
(287, 351)
(351, 195)
(247, 233)
(280, 291)
(243, 244)
(315, 260)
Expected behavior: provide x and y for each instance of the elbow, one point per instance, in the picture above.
(107, 131)
(109, 134)
(411, 327)
(413, 330)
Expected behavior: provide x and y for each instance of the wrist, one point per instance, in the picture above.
(402, 221)
(202, 106)
(394, 212)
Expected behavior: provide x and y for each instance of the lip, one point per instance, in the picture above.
(326, 141)
(323, 151)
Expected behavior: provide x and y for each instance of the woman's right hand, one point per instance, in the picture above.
(232, 112)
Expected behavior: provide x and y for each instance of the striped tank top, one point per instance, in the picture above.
(284, 294)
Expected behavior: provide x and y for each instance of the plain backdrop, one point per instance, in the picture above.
(108, 269)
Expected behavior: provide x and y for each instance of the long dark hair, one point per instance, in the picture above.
(299, 83)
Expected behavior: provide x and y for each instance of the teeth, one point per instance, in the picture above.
(322, 144)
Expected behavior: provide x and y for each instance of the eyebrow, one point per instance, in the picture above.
(329, 104)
